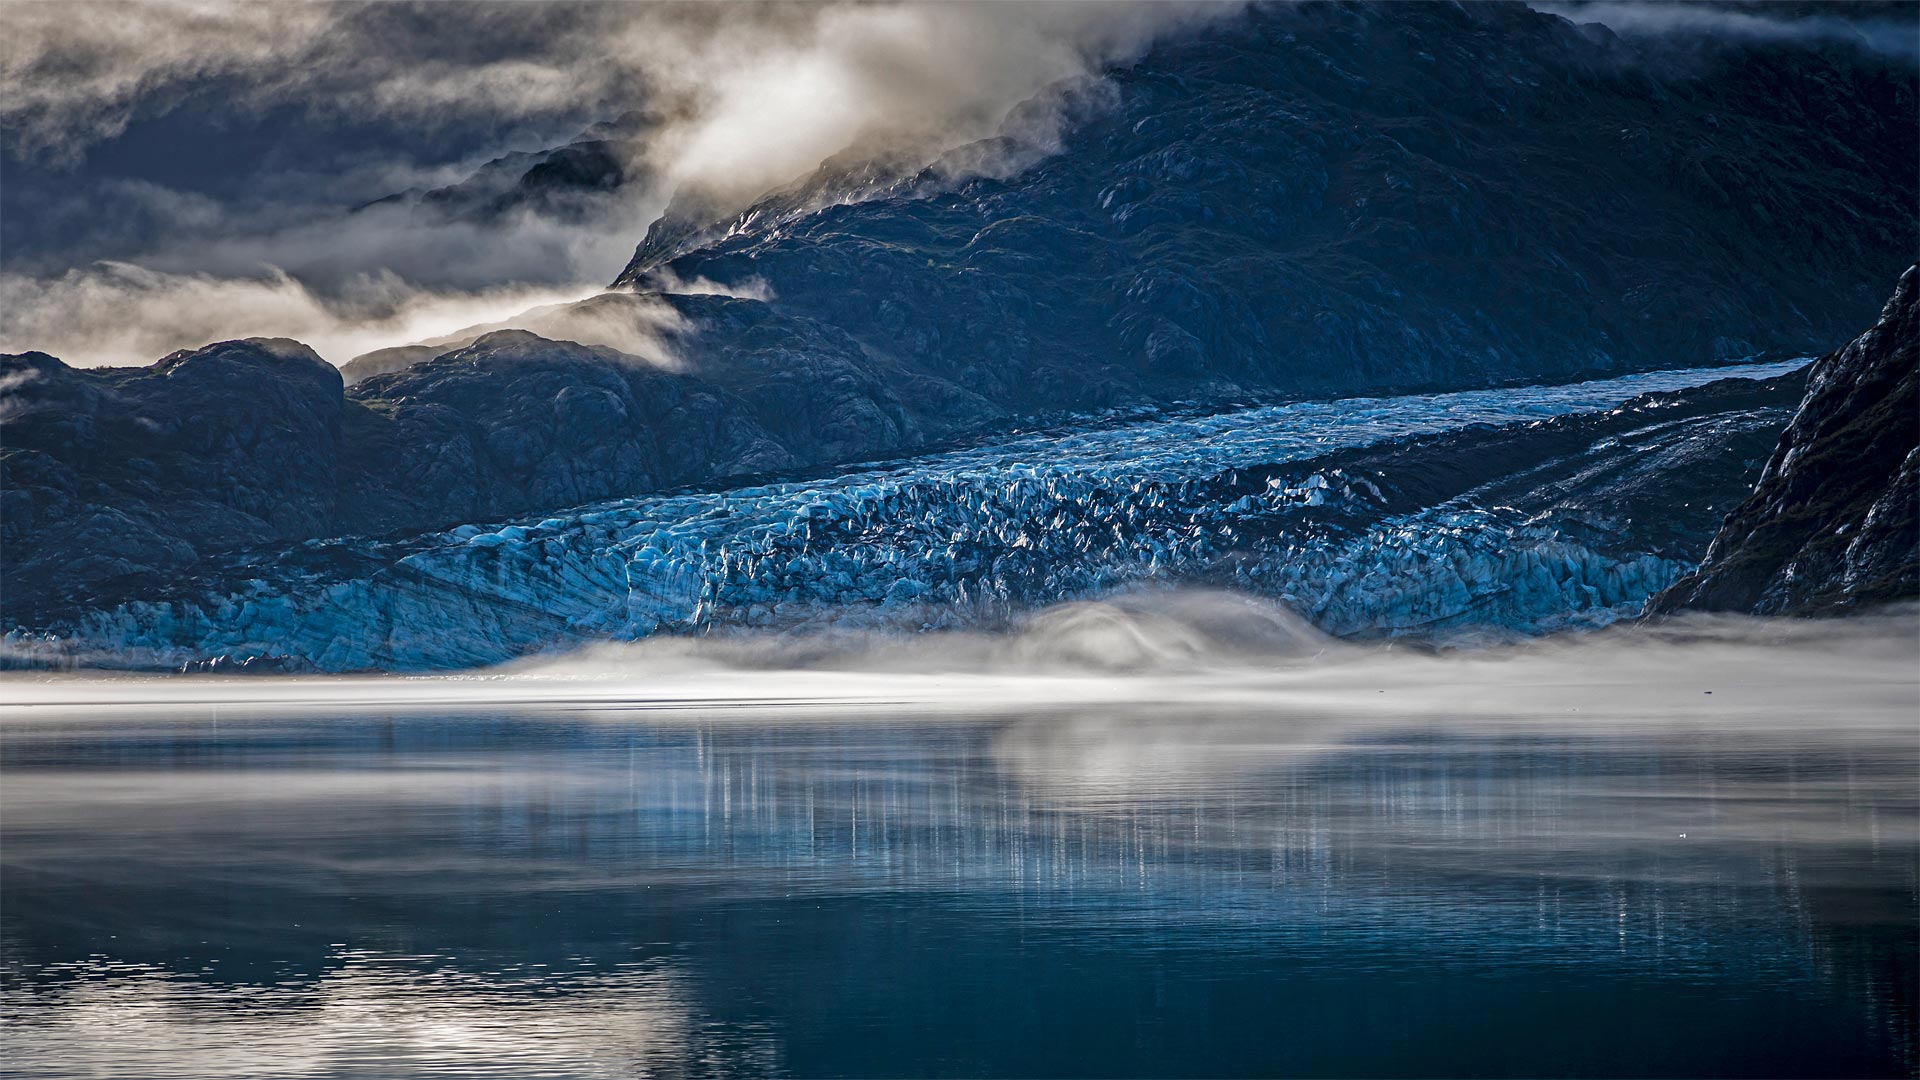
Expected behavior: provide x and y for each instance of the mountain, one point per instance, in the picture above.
(111, 471)
(1834, 522)
(1341, 198)
(564, 183)
(117, 472)
(1314, 200)
(1507, 511)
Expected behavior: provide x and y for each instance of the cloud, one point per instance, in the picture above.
(1895, 38)
(344, 282)
(744, 98)
(329, 252)
(74, 73)
(759, 93)
(639, 325)
(885, 80)
(121, 314)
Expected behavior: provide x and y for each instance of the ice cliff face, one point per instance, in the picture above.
(1834, 522)
(1518, 510)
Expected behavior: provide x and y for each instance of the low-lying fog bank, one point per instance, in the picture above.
(1199, 651)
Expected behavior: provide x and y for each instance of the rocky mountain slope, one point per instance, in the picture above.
(1337, 198)
(1314, 200)
(128, 471)
(1834, 522)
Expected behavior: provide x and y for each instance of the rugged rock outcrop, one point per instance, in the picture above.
(115, 471)
(137, 471)
(1834, 522)
(1342, 198)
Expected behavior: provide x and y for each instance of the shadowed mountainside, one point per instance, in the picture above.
(117, 471)
(1834, 522)
(1341, 198)
(1320, 199)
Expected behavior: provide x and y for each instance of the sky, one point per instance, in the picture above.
(199, 163)
(176, 172)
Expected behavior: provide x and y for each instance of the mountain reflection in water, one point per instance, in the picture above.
(1561, 858)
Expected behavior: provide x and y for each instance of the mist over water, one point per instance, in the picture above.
(806, 777)
(1190, 645)
(1684, 849)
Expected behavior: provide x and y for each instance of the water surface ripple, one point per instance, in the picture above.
(1363, 864)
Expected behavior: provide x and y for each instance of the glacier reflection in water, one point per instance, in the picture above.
(1118, 850)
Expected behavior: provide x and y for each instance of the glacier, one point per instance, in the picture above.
(1345, 510)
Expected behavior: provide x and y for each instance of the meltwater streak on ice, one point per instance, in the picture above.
(939, 541)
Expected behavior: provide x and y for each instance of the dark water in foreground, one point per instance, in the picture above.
(1325, 875)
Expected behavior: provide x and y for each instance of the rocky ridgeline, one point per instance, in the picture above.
(1515, 510)
(1326, 198)
(1834, 522)
(1311, 200)
(130, 472)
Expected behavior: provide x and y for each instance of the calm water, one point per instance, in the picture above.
(1358, 873)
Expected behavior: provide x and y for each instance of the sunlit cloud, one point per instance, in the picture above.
(743, 99)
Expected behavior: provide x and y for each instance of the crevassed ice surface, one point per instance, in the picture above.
(936, 541)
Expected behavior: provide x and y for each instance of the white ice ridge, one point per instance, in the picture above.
(946, 539)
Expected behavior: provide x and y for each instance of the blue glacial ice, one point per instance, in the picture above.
(961, 538)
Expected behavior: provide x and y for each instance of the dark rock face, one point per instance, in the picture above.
(516, 422)
(1834, 521)
(1327, 198)
(564, 183)
(115, 472)
(119, 470)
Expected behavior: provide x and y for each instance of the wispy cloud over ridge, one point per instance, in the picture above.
(121, 314)
(753, 92)
(747, 98)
